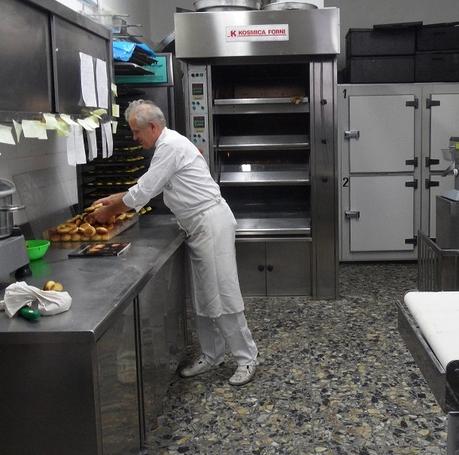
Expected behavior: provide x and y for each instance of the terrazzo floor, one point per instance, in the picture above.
(335, 378)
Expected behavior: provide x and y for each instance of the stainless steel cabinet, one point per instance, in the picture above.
(390, 140)
(118, 389)
(379, 196)
(50, 392)
(385, 213)
(74, 394)
(162, 321)
(386, 133)
(77, 391)
(137, 358)
(274, 267)
(251, 259)
(41, 68)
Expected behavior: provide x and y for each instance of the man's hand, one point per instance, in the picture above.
(112, 206)
(102, 215)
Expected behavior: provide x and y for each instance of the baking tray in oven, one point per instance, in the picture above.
(264, 142)
(264, 174)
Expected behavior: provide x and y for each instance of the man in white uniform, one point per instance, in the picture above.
(180, 172)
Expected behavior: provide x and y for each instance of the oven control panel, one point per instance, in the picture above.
(198, 108)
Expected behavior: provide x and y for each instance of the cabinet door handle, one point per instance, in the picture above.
(352, 134)
(270, 268)
(352, 214)
(261, 268)
(413, 184)
(431, 183)
(431, 161)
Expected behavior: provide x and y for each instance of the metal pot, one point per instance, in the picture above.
(7, 189)
(280, 5)
(226, 5)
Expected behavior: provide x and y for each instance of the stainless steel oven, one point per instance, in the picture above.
(261, 107)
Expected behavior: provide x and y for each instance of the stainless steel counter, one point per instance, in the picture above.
(91, 380)
(100, 287)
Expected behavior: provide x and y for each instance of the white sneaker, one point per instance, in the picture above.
(243, 375)
(199, 366)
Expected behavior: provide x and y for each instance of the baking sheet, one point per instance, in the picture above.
(120, 227)
(99, 249)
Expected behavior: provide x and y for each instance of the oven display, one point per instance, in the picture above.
(197, 90)
(199, 123)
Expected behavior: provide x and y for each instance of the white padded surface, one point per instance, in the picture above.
(437, 315)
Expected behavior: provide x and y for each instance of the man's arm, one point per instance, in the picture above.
(106, 200)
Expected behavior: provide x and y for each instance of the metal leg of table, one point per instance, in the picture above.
(453, 433)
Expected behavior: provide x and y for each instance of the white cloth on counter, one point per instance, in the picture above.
(437, 316)
(180, 172)
(22, 294)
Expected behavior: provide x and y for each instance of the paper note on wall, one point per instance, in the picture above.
(92, 121)
(63, 129)
(34, 129)
(103, 141)
(67, 119)
(50, 121)
(79, 146)
(18, 129)
(88, 86)
(98, 113)
(92, 144)
(85, 125)
(102, 83)
(75, 146)
(71, 153)
(109, 137)
(6, 135)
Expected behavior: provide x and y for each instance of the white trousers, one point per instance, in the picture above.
(227, 330)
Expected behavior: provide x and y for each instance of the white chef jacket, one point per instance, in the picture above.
(179, 171)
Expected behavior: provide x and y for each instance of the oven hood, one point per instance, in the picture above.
(257, 33)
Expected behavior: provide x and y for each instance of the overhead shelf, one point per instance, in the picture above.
(261, 105)
(296, 100)
(113, 172)
(130, 69)
(265, 142)
(247, 174)
(273, 226)
(118, 161)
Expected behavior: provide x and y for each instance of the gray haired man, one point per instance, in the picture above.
(180, 172)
